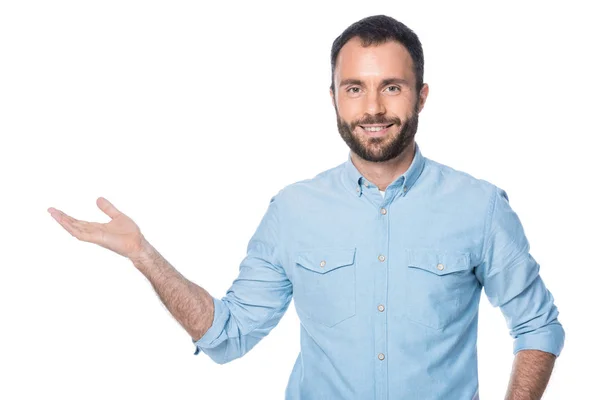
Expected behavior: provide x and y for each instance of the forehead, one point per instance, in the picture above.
(389, 59)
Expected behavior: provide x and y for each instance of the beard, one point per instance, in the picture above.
(379, 149)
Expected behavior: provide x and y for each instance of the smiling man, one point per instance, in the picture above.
(385, 255)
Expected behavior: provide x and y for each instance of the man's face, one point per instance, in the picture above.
(375, 99)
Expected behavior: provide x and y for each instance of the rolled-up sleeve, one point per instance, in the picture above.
(511, 280)
(256, 300)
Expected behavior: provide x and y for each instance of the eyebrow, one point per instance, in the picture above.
(385, 82)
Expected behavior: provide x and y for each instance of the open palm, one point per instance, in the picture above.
(120, 235)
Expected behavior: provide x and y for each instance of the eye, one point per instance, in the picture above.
(353, 90)
(393, 89)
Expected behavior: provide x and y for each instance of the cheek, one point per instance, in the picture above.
(399, 106)
(350, 109)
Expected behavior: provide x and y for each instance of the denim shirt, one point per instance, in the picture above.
(386, 288)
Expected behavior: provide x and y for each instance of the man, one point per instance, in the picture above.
(384, 255)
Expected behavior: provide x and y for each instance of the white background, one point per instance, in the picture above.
(189, 117)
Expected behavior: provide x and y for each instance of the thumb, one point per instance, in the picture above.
(107, 207)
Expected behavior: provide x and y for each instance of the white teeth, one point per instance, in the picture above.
(373, 128)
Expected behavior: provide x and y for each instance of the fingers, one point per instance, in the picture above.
(60, 216)
(107, 207)
(82, 230)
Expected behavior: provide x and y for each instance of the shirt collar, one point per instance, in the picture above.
(404, 182)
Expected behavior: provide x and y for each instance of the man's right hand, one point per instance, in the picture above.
(191, 305)
(120, 235)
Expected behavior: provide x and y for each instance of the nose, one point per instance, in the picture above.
(375, 104)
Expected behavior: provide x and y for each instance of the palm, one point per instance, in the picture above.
(120, 235)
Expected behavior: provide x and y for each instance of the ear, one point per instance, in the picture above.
(423, 96)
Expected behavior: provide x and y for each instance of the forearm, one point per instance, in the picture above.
(530, 375)
(191, 305)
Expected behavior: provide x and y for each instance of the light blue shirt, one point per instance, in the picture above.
(387, 289)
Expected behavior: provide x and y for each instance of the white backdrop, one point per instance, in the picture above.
(189, 117)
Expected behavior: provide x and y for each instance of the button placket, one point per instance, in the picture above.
(382, 221)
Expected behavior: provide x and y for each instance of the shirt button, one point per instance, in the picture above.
(381, 356)
(383, 211)
(405, 189)
(440, 266)
(367, 185)
(381, 258)
(358, 188)
(322, 263)
(380, 307)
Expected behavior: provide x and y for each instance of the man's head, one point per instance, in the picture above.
(377, 87)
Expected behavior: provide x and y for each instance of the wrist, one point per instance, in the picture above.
(145, 253)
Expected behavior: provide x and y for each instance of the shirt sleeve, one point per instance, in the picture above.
(256, 300)
(511, 280)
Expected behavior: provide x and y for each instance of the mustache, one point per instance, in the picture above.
(371, 119)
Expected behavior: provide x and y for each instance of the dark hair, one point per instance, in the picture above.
(379, 29)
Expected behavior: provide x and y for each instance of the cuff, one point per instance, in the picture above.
(550, 339)
(215, 329)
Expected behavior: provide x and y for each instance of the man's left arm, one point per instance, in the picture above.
(530, 374)
(511, 280)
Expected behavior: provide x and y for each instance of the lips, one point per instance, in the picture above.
(375, 130)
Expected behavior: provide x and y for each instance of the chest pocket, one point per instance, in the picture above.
(325, 284)
(438, 283)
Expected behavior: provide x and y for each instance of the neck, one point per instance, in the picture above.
(384, 173)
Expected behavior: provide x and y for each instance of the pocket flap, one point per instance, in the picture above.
(325, 260)
(438, 262)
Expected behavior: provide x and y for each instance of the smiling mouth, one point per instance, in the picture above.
(375, 128)
(375, 131)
